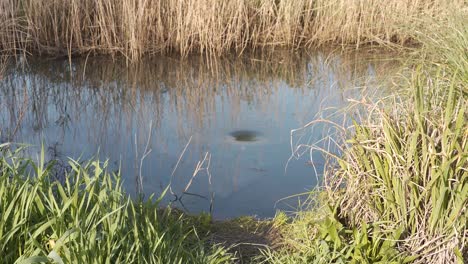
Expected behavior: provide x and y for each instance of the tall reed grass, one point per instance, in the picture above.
(398, 190)
(134, 28)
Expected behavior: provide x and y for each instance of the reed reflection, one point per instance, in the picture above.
(119, 110)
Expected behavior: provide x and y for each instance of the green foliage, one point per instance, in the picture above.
(87, 218)
(320, 237)
(403, 168)
(410, 169)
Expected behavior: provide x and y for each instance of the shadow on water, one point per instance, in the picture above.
(159, 104)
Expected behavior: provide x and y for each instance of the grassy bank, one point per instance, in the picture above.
(134, 28)
(87, 218)
(398, 192)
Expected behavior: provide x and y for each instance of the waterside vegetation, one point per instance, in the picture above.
(86, 217)
(135, 28)
(396, 193)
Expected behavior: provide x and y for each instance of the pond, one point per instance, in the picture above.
(218, 131)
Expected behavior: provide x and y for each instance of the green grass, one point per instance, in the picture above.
(87, 218)
(319, 236)
(399, 191)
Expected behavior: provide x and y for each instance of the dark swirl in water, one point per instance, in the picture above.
(245, 135)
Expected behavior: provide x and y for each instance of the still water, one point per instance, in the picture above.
(217, 131)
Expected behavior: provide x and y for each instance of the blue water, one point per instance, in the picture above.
(108, 108)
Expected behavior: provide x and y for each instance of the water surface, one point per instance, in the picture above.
(232, 117)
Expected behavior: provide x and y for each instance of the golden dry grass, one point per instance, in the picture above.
(137, 27)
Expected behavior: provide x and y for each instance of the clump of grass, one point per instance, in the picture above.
(320, 235)
(407, 169)
(87, 218)
(399, 190)
(406, 166)
(134, 28)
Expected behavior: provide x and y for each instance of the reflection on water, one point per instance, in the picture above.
(232, 117)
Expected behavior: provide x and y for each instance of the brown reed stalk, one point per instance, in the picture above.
(137, 27)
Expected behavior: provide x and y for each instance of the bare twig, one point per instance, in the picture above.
(146, 152)
(177, 164)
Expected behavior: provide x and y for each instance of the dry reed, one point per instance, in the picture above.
(134, 28)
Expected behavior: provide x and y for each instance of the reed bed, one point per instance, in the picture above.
(134, 28)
